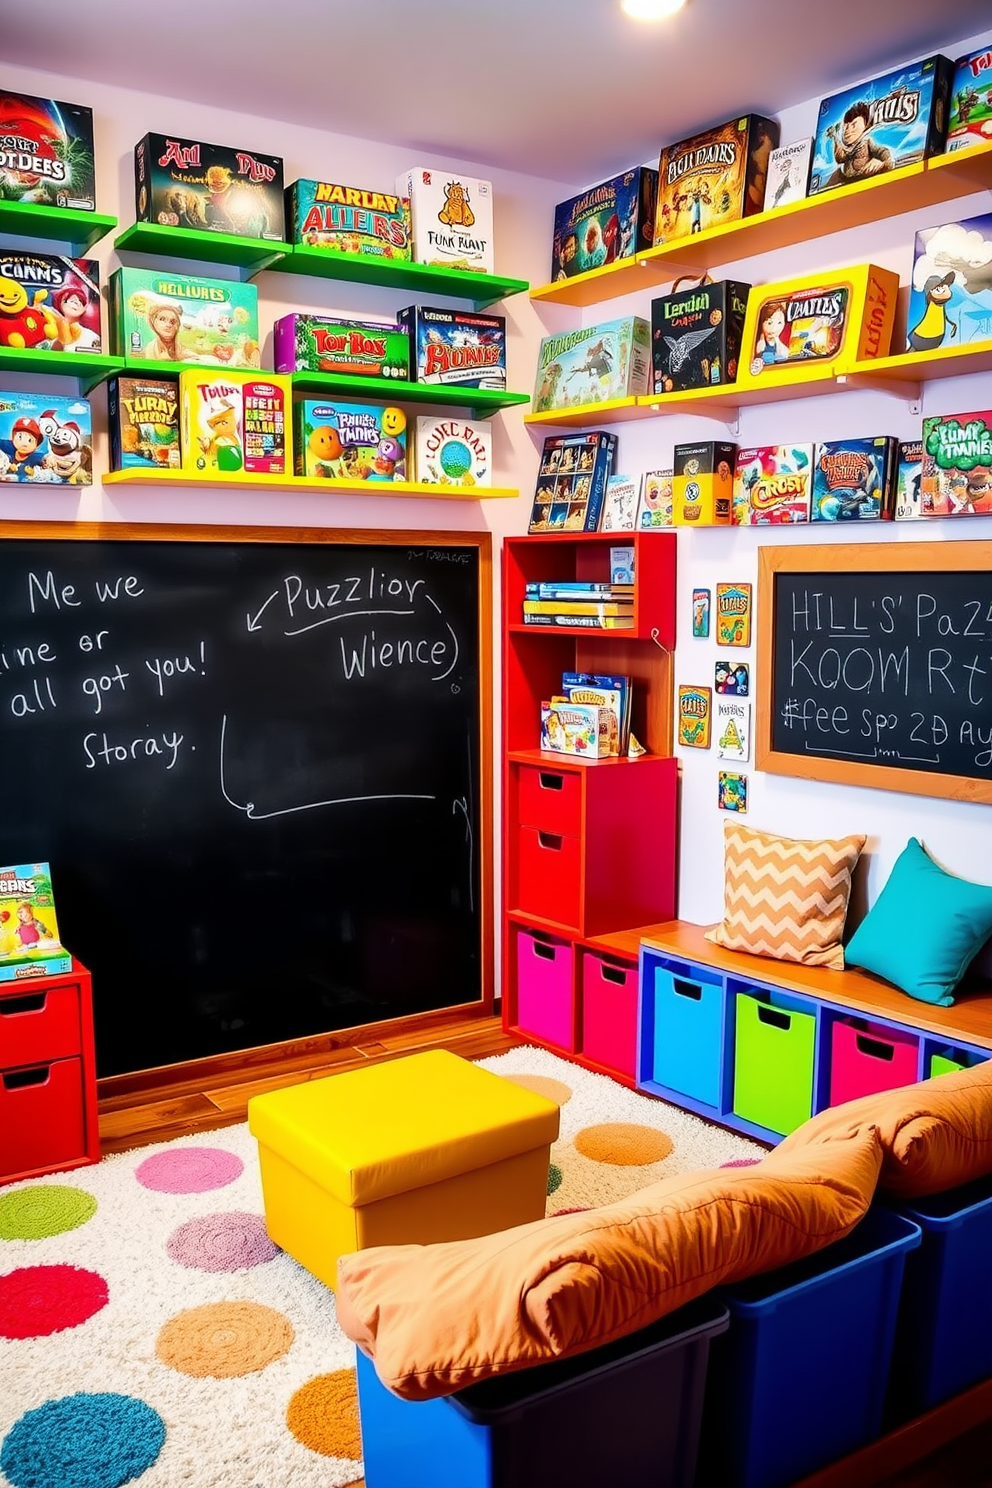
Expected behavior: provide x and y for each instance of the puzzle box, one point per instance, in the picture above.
(853, 479)
(594, 364)
(957, 465)
(45, 440)
(970, 111)
(143, 414)
(571, 481)
(772, 485)
(950, 293)
(453, 452)
(351, 348)
(350, 441)
(46, 152)
(158, 316)
(210, 188)
(714, 177)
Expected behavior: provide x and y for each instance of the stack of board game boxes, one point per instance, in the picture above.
(589, 717)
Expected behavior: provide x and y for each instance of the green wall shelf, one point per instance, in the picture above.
(423, 279)
(55, 224)
(87, 368)
(482, 402)
(248, 255)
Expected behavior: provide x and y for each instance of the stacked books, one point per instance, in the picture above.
(590, 716)
(29, 935)
(585, 606)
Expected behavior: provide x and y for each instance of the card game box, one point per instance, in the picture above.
(909, 480)
(655, 500)
(788, 174)
(772, 485)
(957, 465)
(46, 152)
(733, 610)
(45, 440)
(452, 219)
(610, 221)
(350, 441)
(456, 348)
(49, 303)
(453, 451)
(143, 413)
(695, 706)
(854, 479)
(703, 483)
(571, 481)
(696, 335)
(970, 111)
(235, 422)
(950, 298)
(352, 348)
(893, 120)
(158, 316)
(717, 176)
(187, 183)
(349, 219)
(594, 364)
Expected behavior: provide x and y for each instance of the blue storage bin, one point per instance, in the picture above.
(688, 1029)
(627, 1413)
(800, 1378)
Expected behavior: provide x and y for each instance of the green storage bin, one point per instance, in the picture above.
(774, 1052)
(939, 1065)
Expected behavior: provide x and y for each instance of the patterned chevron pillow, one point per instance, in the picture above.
(786, 898)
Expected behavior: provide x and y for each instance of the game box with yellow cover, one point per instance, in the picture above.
(703, 483)
(235, 424)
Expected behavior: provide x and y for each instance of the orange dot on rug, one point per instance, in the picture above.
(222, 1340)
(323, 1415)
(555, 1090)
(625, 1144)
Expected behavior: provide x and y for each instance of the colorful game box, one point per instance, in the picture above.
(788, 174)
(909, 481)
(571, 481)
(619, 505)
(235, 422)
(957, 465)
(732, 723)
(610, 221)
(594, 364)
(703, 483)
(578, 728)
(731, 678)
(349, 219)
(456, 348)
(350, 441)
(29, 932)
(45, 440)
(696, 335)
(853, 479)
(733, 614)
(49, 303)
(46, 152)
(893, 120)
(772, 485)
(715, 177)
(970, 111)
(352, 348)
(453, 452)
(950, 300)
(186, 183)
(695, 709)
(452, 219)
(654, 502)
(143, 413)
(732, 792)
(158, 316)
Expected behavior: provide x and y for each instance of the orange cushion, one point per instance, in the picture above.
(436, 1318)
(935, 1135)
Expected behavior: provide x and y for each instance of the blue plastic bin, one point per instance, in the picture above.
(688, 1029)
(800, 1378)
(626, 1413)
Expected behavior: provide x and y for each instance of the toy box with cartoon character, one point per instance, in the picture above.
(909, 481)
(158, 316)
(453, 451)
(235, 422)
(578, 728)
(456, 348)
(696, 335)
(452, 219)
(351, 348)
(29, 932)
(46, 440)
(610, 221)
(950, 294)
(46, 152)
(957, 465)
(854, 479)
(897, 119)
(715, 177)
(49, 303)
(970, 111)
(349, 219)
(186, 183)
(772, 485)
(143, 413)
(571, 481)
(703, 484)
(594, 365)
(350, 441)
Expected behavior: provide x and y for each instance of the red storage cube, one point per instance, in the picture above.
(609, 1013)
(544, 988)
(866, 1058)
(549, 876)
(39, 1023)
(41, 1116)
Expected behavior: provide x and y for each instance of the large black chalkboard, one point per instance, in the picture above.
(258, 763)
(876, 665)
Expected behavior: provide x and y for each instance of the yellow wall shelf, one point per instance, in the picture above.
(135, 476)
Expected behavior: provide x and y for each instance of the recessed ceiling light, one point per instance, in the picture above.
(651, 10)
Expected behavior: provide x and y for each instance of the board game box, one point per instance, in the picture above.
(854, 479)
(46, 152)
(788, 174)
(970, 111)
(46, 440)
(909, 478)
(695, 706)
(350, 441)
(696, 335)
(143, 413)
(571, 481)
(352, 348)
(452, 219)
(594, 364)
(187, 183)
(957, 465)
(235, 422)
(950, 299)
(453, 451)
(717, 176)
(772, 485)
(29, 932)
(158, 316)
(890, 121)
(654, 501)
(49, 303)
(349, 219)
(607, 222)
(456, 348)
(703, 483)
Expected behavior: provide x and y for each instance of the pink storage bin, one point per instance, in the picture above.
(544, 988)
(868, 1057)
(609, 1013)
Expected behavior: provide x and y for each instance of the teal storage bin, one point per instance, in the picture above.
(774, 1056)
(688, 1029)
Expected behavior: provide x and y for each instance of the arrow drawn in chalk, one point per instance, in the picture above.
(254, 619)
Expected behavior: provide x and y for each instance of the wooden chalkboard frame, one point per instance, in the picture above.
(874, 557)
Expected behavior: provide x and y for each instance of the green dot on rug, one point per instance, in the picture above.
(47, 1209)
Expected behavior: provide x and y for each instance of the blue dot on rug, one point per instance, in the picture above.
(82, 1441)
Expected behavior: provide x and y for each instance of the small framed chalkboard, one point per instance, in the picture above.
(875, 665)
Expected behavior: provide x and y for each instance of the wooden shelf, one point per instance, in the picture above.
(482, 402)
(328, 263)
(88, 368)
(138, 477)
(80, 230)
(248, 255)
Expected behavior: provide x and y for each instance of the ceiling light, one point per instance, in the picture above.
(651, 10)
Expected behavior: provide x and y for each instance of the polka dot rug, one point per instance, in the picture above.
(151, 1333)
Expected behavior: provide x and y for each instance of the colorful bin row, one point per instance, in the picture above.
(576, 999)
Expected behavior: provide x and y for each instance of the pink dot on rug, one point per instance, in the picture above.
(183, 1170)
(38, 1300)
(741, 1162)
(221, 1242)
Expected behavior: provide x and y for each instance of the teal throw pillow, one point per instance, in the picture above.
(924, 928)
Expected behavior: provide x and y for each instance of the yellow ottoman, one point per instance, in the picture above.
(430, 1147)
